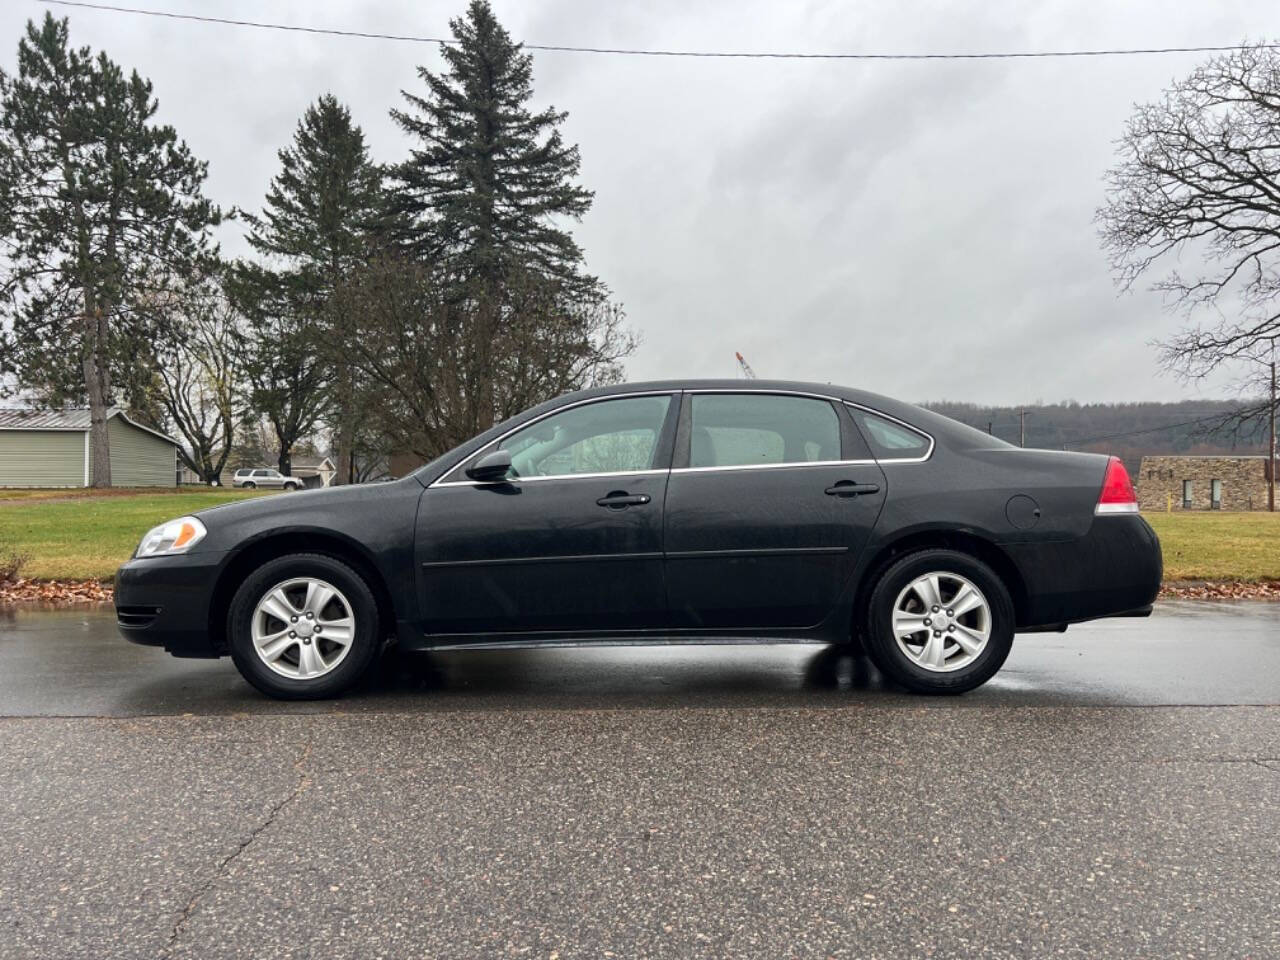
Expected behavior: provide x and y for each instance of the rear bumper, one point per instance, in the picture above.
(1112, 571)
(165, 601)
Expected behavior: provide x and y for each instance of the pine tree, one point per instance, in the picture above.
(322, 219)
(489, 177)
(486, 188)
(99, 205)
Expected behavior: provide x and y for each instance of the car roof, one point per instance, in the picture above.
(835, 391)
(917, 416)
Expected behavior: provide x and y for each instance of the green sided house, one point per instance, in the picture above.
(50, 448)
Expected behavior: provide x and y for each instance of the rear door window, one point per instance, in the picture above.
(761, 429)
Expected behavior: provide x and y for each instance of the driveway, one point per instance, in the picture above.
(1112, 793)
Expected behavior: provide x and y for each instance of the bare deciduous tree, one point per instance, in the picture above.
(199, 374)
(1198, 180)
(425, 356)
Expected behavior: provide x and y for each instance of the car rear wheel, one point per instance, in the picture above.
(939, 621)
(303, 627)
(249, 485)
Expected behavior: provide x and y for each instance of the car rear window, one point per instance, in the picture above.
(889, 439)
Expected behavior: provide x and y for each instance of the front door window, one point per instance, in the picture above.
(612, 436)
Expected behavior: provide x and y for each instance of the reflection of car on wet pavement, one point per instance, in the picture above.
(665, 512)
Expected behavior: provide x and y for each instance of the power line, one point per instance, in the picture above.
(635, 52)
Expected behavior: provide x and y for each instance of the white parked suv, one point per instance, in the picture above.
(264, 477)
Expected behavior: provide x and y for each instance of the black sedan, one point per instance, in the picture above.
(693, 512)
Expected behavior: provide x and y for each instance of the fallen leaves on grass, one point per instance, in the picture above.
(1220, 590)
(56, 593)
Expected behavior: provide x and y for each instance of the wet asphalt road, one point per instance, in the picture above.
(1114, 792)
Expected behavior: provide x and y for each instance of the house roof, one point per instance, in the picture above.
(74, 419)
(69, 419)
(307, 462)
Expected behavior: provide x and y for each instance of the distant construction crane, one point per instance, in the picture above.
(746, 367)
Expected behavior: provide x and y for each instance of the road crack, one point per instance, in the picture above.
(304, 781)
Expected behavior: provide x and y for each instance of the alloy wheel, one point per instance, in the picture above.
(303, 628)
(941, 621)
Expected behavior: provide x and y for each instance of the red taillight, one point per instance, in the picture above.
(1117, 495)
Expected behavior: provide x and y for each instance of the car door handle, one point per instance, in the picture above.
(847, 488)
(620, 499)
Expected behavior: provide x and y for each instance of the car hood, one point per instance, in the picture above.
(306, 503)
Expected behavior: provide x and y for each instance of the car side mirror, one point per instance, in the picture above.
(491, 468)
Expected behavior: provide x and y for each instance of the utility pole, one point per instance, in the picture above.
(1271, 444)
(989, 426)
(1022, 427)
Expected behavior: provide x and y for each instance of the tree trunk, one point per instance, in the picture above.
(1271, 445)
(207, 472)
(285, 461)
(96, 387)
(485, 407)
(345, 439)
(342, 472)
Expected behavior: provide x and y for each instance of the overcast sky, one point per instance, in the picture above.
(919, 229)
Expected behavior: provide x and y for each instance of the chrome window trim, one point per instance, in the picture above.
(776, 391)
(674, 392)
(768, 466)
(558, 476)
(902, 423)
(441, 482)
(792, 464)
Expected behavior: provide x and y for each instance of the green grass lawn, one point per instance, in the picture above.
(77, 534)
(1219, 546)
(28, 494)
(71, 534)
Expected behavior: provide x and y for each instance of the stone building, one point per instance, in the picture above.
(1204, 483)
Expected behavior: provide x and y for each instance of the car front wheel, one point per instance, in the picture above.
(303, 627)
(939, 621)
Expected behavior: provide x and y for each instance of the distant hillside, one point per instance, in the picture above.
(1127, 430)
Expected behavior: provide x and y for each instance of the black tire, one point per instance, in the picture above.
(250, 485)
(883, 649)
(366, 639)
(290, 486)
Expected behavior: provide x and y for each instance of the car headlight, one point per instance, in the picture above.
(176, 536)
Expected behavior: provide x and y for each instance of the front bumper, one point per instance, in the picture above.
(165, 602)
(1113, 570)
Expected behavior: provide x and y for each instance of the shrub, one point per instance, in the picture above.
(11, 563)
